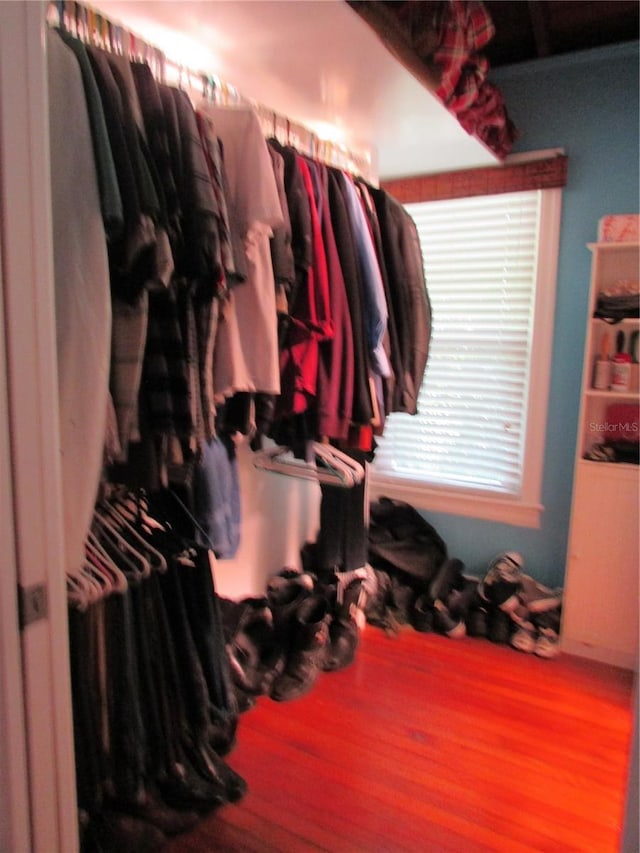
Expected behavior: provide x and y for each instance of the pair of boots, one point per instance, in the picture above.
(319, 631)
(300, 628)
(497, 600)
(537, 616)
(443, 606)
(520, 610)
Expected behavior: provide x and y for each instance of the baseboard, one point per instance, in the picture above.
(613, 657)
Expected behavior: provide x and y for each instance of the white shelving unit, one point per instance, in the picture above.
(600, 611)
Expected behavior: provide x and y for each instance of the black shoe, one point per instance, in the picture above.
(112, 831)
(342, 642)
(403, 596)
(253, 651)
(499, 626)
(285, 596)
(309, 637)
(461, 600)
(232, 612)
(502, 582)
(539, 599)
(347, 618)
(503, 594)
(477, 622)
(377, 607)
(422, 614)
(550, 619)
(448, 577)
(287, 584)
(445, 623)
(153, 810)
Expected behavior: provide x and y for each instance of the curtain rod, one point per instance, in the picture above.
(93, 27)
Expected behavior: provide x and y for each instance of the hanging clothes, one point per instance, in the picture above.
(362, 408)
(375, 305)
(82, 297)
(409, 298)
(336, 353)
(154, 709)
(309, 317)
(247, 335)
(253, 289)
(230, 285)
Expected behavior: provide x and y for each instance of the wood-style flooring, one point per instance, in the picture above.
(431, 744)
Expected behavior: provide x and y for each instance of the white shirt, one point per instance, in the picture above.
(246, 349)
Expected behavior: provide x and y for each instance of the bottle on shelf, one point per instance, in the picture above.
(621, 365)
(602, 368)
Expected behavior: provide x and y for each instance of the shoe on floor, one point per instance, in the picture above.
(537, 597)
(445, 623)
(524, 639)
(547, 644)
(499, 626)
(422, 614)
(477, 622)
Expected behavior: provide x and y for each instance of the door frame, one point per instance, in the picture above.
(15, 832)
(32, 480)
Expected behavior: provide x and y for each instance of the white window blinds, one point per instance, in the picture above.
(480, 258)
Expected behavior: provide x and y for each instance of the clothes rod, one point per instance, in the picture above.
(93, 27)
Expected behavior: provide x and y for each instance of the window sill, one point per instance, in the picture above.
(469, 504)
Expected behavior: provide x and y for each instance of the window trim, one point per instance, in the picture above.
(536, 170)
(526, 509)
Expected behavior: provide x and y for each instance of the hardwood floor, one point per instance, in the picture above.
(430, 744)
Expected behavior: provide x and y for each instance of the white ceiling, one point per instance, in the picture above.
(316, 62)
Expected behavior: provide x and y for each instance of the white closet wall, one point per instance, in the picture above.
(278, 514)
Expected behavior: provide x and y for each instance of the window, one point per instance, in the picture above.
(476, 445)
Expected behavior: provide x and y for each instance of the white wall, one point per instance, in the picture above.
(279, 514)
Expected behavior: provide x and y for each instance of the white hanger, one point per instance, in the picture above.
(81, 590)
(337, 460)
(104, 567)
(134, 560)
(131, 507)
(337, 468)
(122, 518)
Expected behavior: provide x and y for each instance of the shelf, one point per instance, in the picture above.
(604, 511)
(613, 247)
(625, 322)
(597, 392)
(633, 396)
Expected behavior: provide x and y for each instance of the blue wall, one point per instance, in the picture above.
(586, 104)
